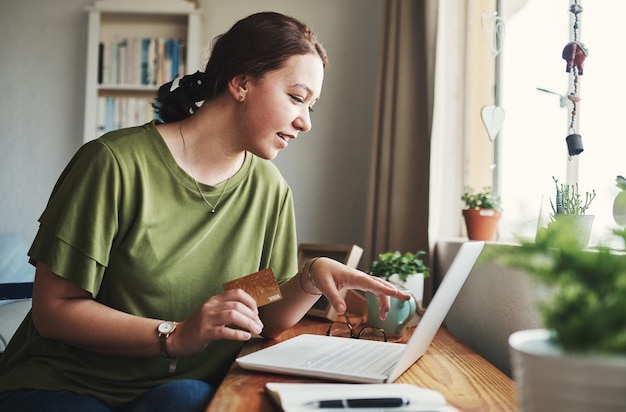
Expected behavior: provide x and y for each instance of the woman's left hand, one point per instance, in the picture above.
(329, 277)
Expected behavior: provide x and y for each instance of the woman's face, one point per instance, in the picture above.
(278, 106)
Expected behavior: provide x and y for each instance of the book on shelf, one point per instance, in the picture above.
(140, 61)
(296, 397)
(118, 112)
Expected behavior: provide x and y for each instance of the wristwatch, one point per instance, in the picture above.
(164, 330)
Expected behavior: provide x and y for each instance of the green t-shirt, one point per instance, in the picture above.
(127, 224)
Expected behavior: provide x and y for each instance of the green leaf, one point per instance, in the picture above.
(394, 262)
(481, 200)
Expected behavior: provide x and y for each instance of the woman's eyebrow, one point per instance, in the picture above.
(305, 87)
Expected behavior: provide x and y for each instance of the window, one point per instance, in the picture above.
(532, 142)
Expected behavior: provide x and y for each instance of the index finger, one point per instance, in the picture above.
(379, 286)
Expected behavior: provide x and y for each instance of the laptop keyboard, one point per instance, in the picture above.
(357, 356)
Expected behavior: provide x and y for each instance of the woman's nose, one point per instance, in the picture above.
(303, 122)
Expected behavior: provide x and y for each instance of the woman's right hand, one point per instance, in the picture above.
(231, 315)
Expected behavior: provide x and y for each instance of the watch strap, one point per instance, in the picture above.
(163, 347)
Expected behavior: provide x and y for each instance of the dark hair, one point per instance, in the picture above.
(255, 45)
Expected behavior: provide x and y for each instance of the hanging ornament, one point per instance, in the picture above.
(493, 118)
(562, 98)
(574, 144)
(494, 31)
(574, 54)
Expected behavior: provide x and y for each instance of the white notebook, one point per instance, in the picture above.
(340, 359)
(301, 397)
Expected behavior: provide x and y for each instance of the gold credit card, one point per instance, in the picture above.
(262, 286)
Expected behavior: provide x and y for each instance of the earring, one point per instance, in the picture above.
(241, 97)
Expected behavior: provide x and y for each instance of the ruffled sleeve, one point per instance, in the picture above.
(78, 226)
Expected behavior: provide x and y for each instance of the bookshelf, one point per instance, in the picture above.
(134, 46)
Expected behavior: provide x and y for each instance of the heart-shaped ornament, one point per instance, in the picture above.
(493, 118)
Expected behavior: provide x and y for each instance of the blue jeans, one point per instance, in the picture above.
(183, 395)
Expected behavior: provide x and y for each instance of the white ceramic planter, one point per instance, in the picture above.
(583, 224)
(414, 283)
(550, 380)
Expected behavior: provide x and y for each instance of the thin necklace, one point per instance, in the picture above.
(180, 130)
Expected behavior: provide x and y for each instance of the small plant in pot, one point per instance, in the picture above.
(407, 270)
(482, 213)
(578, 361)
(571, 206)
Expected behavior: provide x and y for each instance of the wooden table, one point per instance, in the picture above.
(465, 379)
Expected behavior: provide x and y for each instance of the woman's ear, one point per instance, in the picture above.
(238, 87)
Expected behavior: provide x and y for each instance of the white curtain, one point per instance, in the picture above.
(447, 140)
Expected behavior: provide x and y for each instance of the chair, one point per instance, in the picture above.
(20, 290)
(16, 285)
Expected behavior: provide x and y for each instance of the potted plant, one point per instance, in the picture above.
(570, 206)
(578, 361)
(407, 270)
(482, 213)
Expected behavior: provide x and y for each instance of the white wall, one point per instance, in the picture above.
(41, 107)
(494, 302)
(42, 78)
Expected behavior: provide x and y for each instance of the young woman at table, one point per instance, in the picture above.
(146, 224)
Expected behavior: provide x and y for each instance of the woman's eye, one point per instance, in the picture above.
(300, 101)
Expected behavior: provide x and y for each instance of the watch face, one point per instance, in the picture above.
(166, 327)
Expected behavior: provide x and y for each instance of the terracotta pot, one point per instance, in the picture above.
(482, 224)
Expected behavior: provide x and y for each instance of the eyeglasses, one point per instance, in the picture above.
(346, 330)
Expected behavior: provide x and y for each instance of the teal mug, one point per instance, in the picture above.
(401, 313)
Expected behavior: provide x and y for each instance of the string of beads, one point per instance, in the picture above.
(575, 53)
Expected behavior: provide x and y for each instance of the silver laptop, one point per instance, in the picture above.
(365, 361)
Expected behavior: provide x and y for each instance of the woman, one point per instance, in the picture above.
(146, 224)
